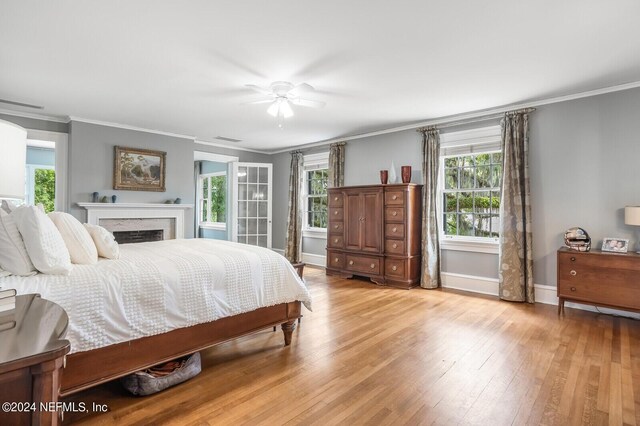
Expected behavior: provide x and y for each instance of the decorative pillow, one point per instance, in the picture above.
(8, 206)
(78, 241)
(104, 241)
(13, 254)
(43, 241)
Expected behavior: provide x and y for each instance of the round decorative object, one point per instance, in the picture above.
(178, 201)
(577, 239)
(114, 198)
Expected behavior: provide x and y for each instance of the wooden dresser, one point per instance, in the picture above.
(599, 278)
(375, 231)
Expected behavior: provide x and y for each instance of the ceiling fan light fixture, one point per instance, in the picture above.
(286, 109)
(274, 108)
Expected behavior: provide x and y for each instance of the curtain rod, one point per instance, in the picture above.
(475, 119)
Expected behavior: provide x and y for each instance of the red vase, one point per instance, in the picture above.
(406, 174)
(384, 176)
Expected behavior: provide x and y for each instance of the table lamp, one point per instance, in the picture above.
(632, 217)
(13, 160)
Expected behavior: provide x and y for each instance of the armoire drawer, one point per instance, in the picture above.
(394, 198)
(336, 228)
(335, 241)
(365, 264)
(335, 260)
(336, 213)
(394, 214)
(394, 246)
(336, 200)
(394, 230)
(395, 267)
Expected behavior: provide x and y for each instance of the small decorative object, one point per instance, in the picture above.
(95, 197)
(632, 217)
(577, 239)
(104, 199)
(114, 198)
(178, 200)
(169, 202)
(384, 176)
(139, 169)
(393, 177)
(617, 245)
(406, 174)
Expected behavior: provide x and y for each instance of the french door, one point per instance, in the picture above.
(251, 203)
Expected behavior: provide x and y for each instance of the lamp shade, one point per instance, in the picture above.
(632, 215)
(13, 160)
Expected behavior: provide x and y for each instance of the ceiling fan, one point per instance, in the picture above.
(282, 94)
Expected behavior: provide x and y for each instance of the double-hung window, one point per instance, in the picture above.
(470, 181)
(213, 200)
(316, 176)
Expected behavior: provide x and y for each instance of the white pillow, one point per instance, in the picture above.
(8, 206)
(78, 241)
(13, 254)
(104, 241)
(44, 243)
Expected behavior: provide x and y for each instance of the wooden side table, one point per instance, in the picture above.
(32, 352)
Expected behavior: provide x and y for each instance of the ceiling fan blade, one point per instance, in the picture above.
(259, 89)
(301, 88)
(263, 101)
(308, 103)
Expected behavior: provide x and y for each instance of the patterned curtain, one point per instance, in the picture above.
(336, 165)
(430, 232)
(197, 170)
(293, 250)
(516, 255)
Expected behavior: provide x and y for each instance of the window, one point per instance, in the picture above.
(40, 186)
(316, 177)
(471, 173)
(213, 200)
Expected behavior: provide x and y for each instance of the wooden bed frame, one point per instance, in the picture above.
(90, 368)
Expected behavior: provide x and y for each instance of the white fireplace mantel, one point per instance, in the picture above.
(98, 211)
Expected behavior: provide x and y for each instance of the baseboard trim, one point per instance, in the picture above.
(308, 258)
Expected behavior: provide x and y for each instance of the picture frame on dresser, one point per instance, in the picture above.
(615, 245)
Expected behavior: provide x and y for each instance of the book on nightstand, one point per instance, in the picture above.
(7, 300)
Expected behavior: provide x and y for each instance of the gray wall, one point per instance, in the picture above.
(35, 124)
(91, 151)
(583, 169)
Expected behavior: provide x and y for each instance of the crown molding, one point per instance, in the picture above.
(44, 117)
(237, 148)
(128, 127)
(472, 115)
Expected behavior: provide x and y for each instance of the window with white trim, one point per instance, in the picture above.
(316, 177)
(40, 186)
(471, 174)
(212, 190)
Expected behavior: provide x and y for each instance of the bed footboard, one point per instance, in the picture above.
(91, 368)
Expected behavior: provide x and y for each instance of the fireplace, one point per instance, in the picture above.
(137, 222)
(129, 237)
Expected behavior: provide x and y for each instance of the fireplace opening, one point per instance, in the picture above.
(128, 237)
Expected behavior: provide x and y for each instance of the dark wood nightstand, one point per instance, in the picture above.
(32, 353)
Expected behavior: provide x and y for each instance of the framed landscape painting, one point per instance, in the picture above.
(139, 169)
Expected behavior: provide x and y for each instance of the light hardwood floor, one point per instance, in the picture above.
(374, 355)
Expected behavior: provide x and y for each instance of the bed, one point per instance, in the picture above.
(163, 300)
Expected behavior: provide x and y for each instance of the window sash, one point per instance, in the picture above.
(317, 163)
(205, 199)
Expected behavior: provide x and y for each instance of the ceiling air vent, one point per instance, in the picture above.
(222, 138)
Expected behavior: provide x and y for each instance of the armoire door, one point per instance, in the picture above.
(371, 225)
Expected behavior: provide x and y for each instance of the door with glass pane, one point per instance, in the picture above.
(251, 223)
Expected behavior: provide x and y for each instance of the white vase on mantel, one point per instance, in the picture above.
(393, 177)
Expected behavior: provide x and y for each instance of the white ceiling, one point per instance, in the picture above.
(181, 67)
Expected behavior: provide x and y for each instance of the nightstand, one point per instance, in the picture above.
(32, 352)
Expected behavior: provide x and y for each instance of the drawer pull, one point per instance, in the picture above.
(351, 262)
(335, 240)
(335, 199)
(372, 266)
(395, 213)
(335, 212)
(395, 197)
(573, 259)
(394, 246)
(336, 260)
(336, 226)
(394, 229)
(394, 268)
(573, 289)
(574, 273)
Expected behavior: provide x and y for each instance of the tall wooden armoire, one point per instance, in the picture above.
(375, 231)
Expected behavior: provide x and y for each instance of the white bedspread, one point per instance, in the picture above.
(157, 287)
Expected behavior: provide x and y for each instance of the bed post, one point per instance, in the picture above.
(287, 329)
